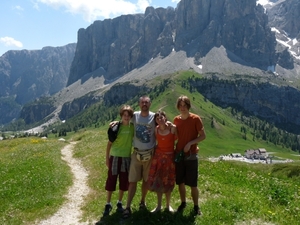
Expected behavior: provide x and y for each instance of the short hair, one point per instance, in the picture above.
(144, 96)
(184, 99)
(126, 108)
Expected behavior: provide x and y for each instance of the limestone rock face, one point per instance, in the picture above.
(122, 44)
(264, 100)
(240, 26)
(30, 74)
(112, 48)
(285, 15)
(36, 112)
(119, 45)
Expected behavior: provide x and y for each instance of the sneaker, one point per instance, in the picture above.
(181, 207)
(119, 207)
(142, 206)
(197, 210)
(107, 209)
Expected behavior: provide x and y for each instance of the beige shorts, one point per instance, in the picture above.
(138, 169)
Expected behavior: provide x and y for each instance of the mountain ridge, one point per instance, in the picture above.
(166, 49)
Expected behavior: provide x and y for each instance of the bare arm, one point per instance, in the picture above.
(174, 130)
(201, 137)
(113, 123)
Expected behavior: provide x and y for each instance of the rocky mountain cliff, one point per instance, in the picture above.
(285, 16)
(26, 75)
(225, 37)
(276, 104)
(283, 19)
(116, 46)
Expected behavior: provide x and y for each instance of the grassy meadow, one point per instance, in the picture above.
(34, 178)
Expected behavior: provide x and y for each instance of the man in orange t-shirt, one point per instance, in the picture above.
(190, 132)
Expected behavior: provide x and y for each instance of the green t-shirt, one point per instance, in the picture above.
(122, 146)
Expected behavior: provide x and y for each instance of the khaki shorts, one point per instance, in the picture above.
(138, 169)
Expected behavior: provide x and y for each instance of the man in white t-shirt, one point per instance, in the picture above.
(143, 143)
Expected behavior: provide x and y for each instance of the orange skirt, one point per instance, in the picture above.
(161, 176)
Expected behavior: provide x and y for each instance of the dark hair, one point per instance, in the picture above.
(126, 108)
(159, 113)
(184, 99)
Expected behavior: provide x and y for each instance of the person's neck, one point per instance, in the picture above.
(144, 113)
(162, 127)
(184, 115)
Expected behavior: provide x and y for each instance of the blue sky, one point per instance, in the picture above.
(34, 24)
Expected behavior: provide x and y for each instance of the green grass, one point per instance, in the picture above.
(230, 192)
(33, 179)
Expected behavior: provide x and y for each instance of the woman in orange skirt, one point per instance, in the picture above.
(161, 177)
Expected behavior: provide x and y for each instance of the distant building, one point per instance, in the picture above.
(259, 153)
(236, 155)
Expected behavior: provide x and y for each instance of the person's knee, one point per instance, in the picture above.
(132, 184)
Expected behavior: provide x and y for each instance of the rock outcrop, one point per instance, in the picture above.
(285, 16)
(119, 45)
(29, 74)
(276, 104)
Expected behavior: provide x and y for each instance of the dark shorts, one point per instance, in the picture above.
(111, 181)
(187, 172)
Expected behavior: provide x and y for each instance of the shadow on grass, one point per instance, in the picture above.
(142, 217)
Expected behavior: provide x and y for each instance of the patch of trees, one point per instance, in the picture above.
(252, 127)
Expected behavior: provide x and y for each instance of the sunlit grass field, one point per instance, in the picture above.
(34, 180)
(230, 192)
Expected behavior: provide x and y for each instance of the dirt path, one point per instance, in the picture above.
(70, 212)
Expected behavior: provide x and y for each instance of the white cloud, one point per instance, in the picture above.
(19, 8)
(176, 1)
(98, 9)
(9, 41)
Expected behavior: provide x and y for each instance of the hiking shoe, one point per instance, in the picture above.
(197, 211)
(142, 206)
(181, 207)
(119, 207)
(107, 209)
(126, 213)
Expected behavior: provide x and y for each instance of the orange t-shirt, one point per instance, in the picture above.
(187, 130)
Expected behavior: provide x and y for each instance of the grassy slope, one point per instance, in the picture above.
(230, 192)
(34, 178)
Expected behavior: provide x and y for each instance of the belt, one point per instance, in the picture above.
(139, 150)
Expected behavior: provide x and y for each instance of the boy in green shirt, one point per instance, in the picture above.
(118, 154)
